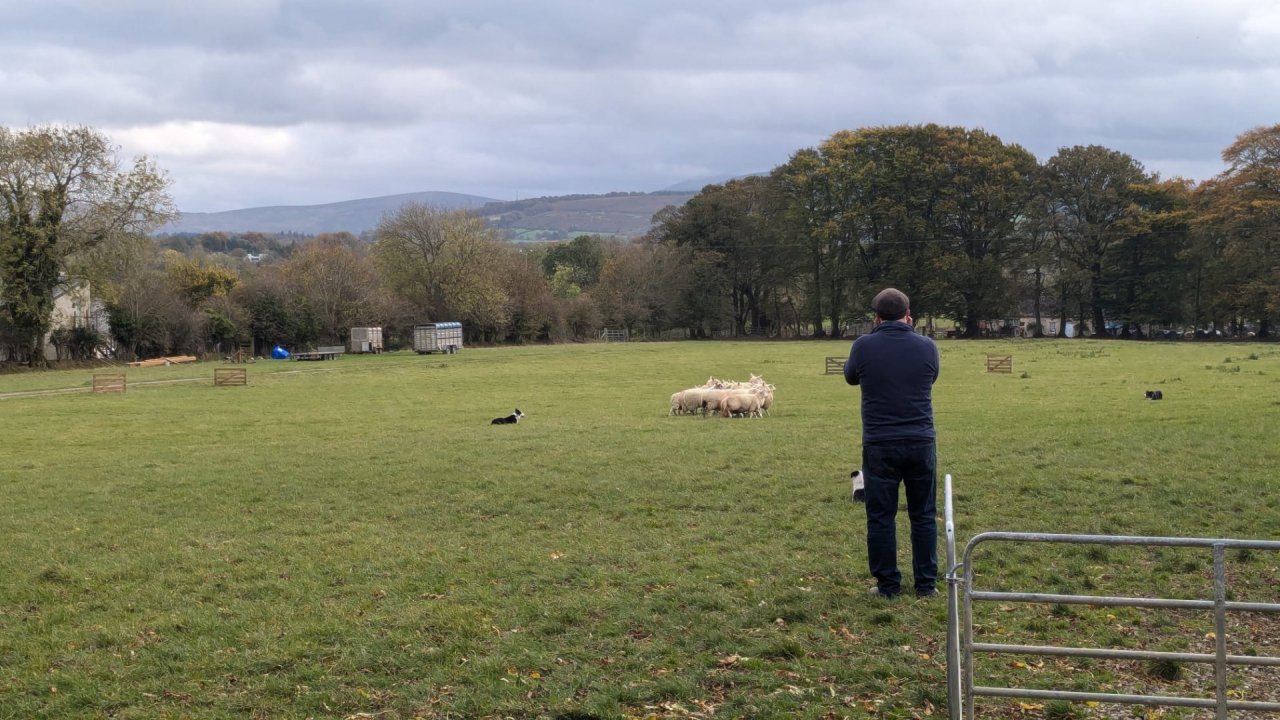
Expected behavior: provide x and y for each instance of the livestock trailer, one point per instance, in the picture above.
(366, 340)
(445, 337)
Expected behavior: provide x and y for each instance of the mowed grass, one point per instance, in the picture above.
(354, 539)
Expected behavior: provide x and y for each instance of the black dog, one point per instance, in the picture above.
(511, 419)
(1154, 395)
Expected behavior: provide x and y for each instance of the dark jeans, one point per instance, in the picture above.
(914, 464)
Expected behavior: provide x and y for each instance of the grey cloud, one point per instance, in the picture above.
(581, 96)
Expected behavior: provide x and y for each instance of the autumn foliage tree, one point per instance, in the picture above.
(334, 276)
(62, 191)
(440, 261)
(1240, 212)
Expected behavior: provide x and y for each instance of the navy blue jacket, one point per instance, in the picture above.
(896, 369)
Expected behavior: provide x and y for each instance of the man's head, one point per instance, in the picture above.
(890, 304)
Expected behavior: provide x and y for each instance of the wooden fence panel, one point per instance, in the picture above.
(835, 366)
(230, 376)
(999, 363)
(109, 382)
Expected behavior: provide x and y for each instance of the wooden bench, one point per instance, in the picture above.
(109, 382)
(835, 365)
(230, 376)
(329, 352)
(999, 363)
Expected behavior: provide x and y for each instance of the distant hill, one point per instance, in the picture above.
(567, 216)
(354, 216)
(546, 218)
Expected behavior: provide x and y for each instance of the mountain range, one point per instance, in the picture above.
(622, 214)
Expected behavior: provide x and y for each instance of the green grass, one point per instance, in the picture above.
(352, 538)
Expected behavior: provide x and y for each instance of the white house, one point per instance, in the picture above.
(73, 306)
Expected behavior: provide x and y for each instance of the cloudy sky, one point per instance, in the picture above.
(295, 102)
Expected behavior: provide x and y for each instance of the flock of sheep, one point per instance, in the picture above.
(726, 398)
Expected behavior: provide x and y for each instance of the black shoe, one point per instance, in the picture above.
(875, 591)
(924, 594)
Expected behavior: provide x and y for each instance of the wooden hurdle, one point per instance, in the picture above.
(999, 363)
(230, 376)
(243, 352)
(109, 382)
(835, 366)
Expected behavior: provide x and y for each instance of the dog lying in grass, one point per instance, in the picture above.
(511, 419)
(859, 493)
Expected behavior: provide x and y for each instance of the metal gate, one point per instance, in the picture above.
(961, 648)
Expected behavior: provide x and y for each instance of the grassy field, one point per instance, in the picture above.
(352, 539)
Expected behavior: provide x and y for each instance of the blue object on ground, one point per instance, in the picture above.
(279, 353)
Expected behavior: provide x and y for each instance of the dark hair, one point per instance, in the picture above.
(891, 304)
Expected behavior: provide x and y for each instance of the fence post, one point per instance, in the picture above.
(953, 606)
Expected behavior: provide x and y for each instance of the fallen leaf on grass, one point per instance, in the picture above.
(729, 660)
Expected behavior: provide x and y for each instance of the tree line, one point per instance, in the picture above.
(977, 231)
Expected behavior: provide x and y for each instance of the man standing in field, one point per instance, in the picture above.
(896, 369)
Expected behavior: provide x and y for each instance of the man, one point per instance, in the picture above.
(896, 369)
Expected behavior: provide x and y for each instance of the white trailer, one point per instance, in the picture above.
(366, 340)
(445, 337)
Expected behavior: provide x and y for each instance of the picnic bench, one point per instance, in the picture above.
(326, 352)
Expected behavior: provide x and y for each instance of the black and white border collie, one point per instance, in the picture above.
(855, 480)
(511, 419)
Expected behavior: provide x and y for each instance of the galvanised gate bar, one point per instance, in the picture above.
(960, 650)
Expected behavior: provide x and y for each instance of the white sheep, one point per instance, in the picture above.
(711, 400)
(691, 401)
(711, 397)
(740, 403)
(765, 393)
(677, 403)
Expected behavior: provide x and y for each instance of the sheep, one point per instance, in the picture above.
(740, 403)
(691, 401)
(711, 400)
(765, 393)
(754, 398)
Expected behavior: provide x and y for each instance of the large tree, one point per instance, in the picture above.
(1241, 210)
(983, 188)
(737, 223)
(807, 222)
(1148, 264)
(1096, 194)
(441, 261)
(644, 286)
(930, 209)
(577, 263)
(333, 275)
(63, 190)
